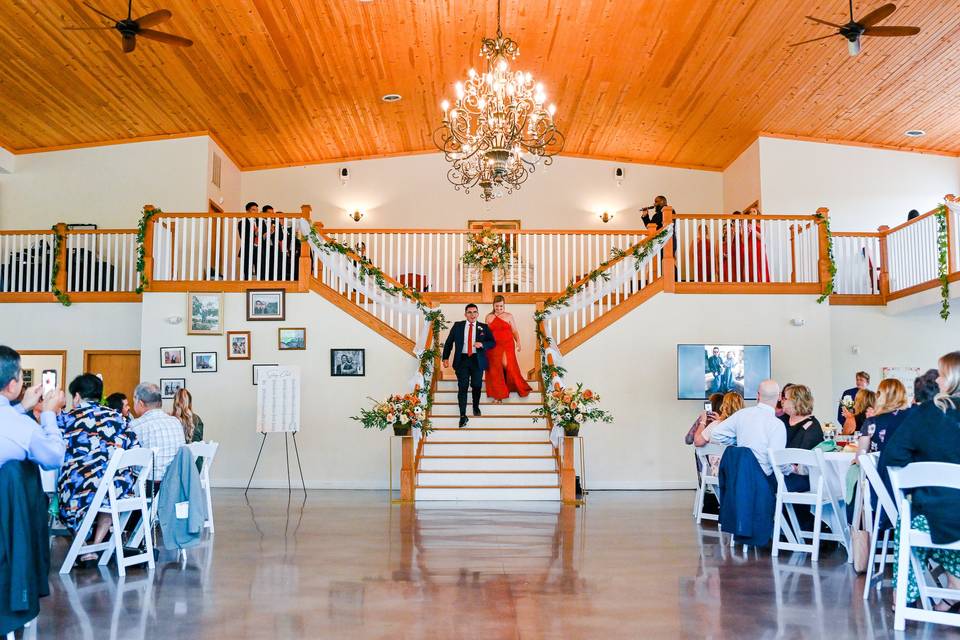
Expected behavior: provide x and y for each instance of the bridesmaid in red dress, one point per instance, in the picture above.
(503, 373)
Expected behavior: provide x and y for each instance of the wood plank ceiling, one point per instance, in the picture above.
(282, 82)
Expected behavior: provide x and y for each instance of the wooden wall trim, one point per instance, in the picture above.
(367, 318)
(611, 316)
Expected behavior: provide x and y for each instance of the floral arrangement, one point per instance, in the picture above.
(943, 268)
(148, 212)
(487, 250)
(402, 412)
(828, 288)
(58, 241)
(571, 407)
(847, 403)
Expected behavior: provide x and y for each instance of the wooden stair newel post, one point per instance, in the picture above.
(568, 475)
(884, 280)
(824, 262)
(951, 237)
(669, 262)
(305, 267)
(61, 258)
(406, 469)
(567, 521)
(148, 249)
(486, 278)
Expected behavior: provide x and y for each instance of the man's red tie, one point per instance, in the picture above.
(470, 341)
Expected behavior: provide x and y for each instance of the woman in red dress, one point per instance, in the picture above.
(503, 374)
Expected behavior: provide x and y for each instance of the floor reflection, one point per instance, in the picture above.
(348, 565)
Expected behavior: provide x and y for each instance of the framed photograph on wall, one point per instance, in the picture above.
(27, 378)
(258, 370)
(173, 357)
(238, 345)
(170, 386)
(205, 314)
(292, 338)
(347, 362)
(266, 304)
(204, 362)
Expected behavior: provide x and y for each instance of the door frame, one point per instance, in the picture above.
(50, 352)
(106, 352)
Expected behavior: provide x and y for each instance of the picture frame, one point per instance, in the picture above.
(27, 378)
(203, 362)
(173, 357)
(348, 362)
(266, 304)
(204, 313)
(170, 386)
(238, 345)
(292, 338)
(258, 371)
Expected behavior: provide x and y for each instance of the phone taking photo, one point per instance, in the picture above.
(49, 380)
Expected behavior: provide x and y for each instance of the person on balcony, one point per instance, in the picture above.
(503, 372)
(657, 218)
(249, 230)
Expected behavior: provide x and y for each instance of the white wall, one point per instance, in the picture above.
(79, 327)
(633, 366)
(412, 191)
(863, 188)
(104, 185)
(334, 450)
(741, 180)
(227, 195)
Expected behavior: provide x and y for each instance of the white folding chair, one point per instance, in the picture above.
(885, 504)
(119, 510)
(912, 476)
(706, 481)
(205, 452)
(817, 498)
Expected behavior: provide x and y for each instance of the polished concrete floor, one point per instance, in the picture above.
(344, 564)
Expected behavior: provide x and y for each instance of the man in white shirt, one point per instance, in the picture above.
(756, 428)
(156, 429)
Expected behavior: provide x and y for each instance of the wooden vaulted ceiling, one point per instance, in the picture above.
(281, 82)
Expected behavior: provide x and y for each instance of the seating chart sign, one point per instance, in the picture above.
(278, 400)
(906, 375)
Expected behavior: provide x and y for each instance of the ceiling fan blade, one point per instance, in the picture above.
(86, 28)
(797, 44)
(166, 38)
(891, 32)
(154, 18)
(877, 15)
(95, 10)
(829, 24)
(129, 43)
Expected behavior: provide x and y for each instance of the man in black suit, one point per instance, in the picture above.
(657, 218)
(469, 340)
(248, 251)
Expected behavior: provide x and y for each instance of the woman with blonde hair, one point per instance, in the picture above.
(503, 374)
(183, 411)
(891, 409)
(803, 428)
(931, 433)
(863, 408)
(732, 402)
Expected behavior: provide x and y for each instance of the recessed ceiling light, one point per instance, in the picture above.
(392, 97)
(914, 133)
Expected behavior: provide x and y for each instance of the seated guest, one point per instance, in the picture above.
(21, 438)
(889, 414)
(931, 433)
(780, 413)
(183, 411)
(705, 417)
(925, 387)
(863, 407)
(156, 429)
(92, 432)
(731, 403)
(756, 428)
(848, 396)
(803, 429)
(118, 402)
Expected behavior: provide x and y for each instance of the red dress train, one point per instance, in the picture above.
(503, 373)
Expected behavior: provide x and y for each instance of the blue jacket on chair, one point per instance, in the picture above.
(181, 483)
(747, 498)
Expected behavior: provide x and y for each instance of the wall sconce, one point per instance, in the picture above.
(606, 217)
(356, 216)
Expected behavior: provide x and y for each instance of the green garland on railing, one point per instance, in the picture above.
(149, 211)
(58, 241)
(366, 269)
(831, 265)
(943, 266)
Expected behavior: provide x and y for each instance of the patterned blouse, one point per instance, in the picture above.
(91, 433)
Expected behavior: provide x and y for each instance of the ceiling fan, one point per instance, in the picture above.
(854, 29)
(130, 28)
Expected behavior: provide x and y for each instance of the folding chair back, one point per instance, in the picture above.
(913, 476)
(885, 504)
(205, 452)
(706, 479)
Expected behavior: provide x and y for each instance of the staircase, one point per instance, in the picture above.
(501, 455)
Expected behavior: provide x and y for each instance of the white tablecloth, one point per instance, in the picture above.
(838, 462)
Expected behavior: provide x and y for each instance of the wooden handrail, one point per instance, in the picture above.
(93, 232)
(628, 253)
(723, 216)
(242, 214)
(26, 232)
(903, 225)
(518, 232)
(408, 292)
(858, 234)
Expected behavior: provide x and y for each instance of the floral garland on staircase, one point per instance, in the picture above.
(831, 265)
(943, 266)
(58, 241)
(149, 211)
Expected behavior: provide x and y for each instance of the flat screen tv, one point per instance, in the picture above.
(703, 369)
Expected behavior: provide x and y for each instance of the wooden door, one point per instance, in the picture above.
(120, 370)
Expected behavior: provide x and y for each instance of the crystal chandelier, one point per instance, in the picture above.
(498, 129)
